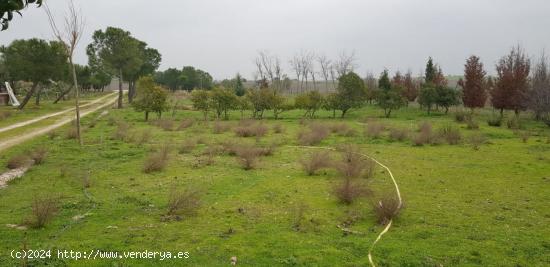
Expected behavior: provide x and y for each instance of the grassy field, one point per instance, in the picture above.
(463, 207)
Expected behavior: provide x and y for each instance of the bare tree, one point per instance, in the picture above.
(296, 66)
(324, 64)
(540, 89)
(345, 63)
(70, 37)
(269, 67)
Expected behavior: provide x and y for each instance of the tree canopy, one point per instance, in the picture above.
(151, 97)
(350, 92)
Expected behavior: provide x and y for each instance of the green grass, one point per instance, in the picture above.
(462, 207)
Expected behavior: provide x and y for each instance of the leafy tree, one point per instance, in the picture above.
(192, 78)
(8, 7)
(410, 87)
(150, 61)
(350, 92)
(310, 102)
(243, 104)
(150, 97)
(201, 101)
(169, 78)
(428, 97)
(277, 103)
(473, 87)
(332, 103)
(239, 86)
(118, 51)
(512, 82)
(431, 71)
(260, 101)
(389, 96)
(371, 86)
(223, 100)
(36, 61)
(446, 97)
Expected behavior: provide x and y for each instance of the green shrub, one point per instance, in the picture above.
(450, 134)
(495, 121)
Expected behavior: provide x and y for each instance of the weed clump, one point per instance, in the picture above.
(220, 127)
(348, 190)
(342, 129)
(43, 209)
(495, 121)
(257, 130)
(316, 161)
(18, 161)
(476, 140)
(184, 203)
(386, 209)
(71, 133)
(38, 155)
(121, 131)
(278, 128)
(353, 165)
(187, 146)
(317, 132)
(374, 129)
(397, 134)
(247, 156)
(186, 123)
(157, 161)
(425, 134)
(450, 134)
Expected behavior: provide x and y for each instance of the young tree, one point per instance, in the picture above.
(201, 101)
(239, 87)
(223, 100)
(36, 61)
(150, 97)
(310, 102)
(446, 97)
(512, 82)
(473, 87)
(540, 89)
(371, 84)
(428, 97)
(431, 71)
(332, 103)
(389, 96)
(350, 92)
(118, 51)
(70, 37)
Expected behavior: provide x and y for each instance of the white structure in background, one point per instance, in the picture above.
(14, 101)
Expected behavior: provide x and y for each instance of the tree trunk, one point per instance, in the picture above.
(120, 89)
(77, 102)
(63, 94)
(37, 100)
(131, 91)
(28, 96)
(146, 115)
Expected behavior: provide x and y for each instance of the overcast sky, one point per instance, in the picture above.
(223, 36)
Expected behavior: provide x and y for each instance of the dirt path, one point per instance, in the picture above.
(5, 144)
(47, 116)
(388, 226)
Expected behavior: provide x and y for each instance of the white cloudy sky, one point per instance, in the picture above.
(223, 36)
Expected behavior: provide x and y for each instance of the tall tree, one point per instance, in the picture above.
(512, 82)
(118, 51)
(36, 61)
(474, 94)
(540, 89)
(410, 87)
(350, 92)
(70, 37)
(389, 94)
(169, 78)
(150, 62)
(430, 72)
(239, 86)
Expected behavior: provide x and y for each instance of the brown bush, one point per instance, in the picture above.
(121, 131)
(317, 132)
(524, 136)
(266, 150)
(425, 134)
(221, 127)
(462, 116)
(476, 140)
(278, 128)
(374, 129)
(342, 129)
(186, 202)
(353, 164)
(257, 130)
(247, 156)
(43, 210)
(186, 123)
(53, 134)
(386, 209)
(144, 137)
(18, 161)
(38, 155)
(187, 146)
(157, 161)
(471, 124)
(349, 190)
(316, 161)
(399, 134)
(71, 133)
(450, 134)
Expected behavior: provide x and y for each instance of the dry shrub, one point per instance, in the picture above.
(386, 209)
(221, 127)
(462, 116)
(450, 134)
(71, 133)
(143, 137)
(186, 123)
(186, 202)
(278, 128)
(353, 165)
(111, 121)
(495, 121)
(247, 156)
(316, 133)
(187, 146)
(349, 190)
(165, 124)
(399, 134)
(38, 155)
(471, 124)
(246, 122)
(316, 161)
(18, 161)
(86, 180)
(298, 215)
(157, 161)
(43, 210)
(201, 140)
(342, 129)
(257, 130)
(425, 134)
(524, 136)
(121, 131)
(476, 140)
(513, 123)
(374, 129)
(266, 151)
